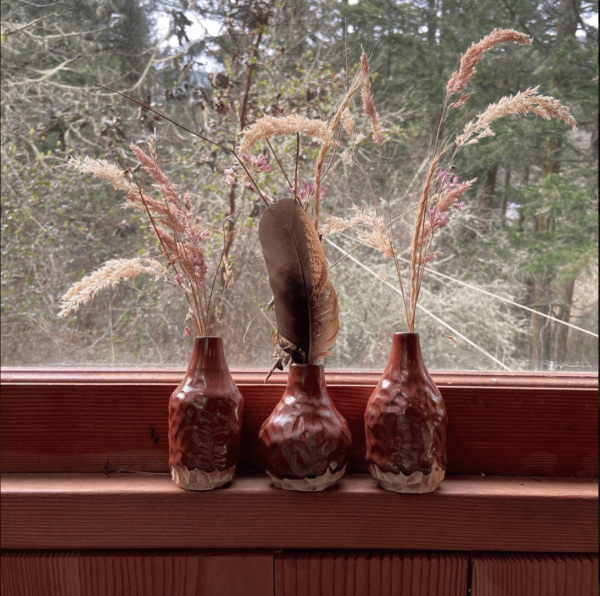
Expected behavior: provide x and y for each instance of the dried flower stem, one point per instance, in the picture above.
(278, 162)
(172, 261)
(192, 132)
(333, 124)
(296, 166)
(417, 232)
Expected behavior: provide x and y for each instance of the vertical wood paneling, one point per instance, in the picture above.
(118, 573)
(534, 575)
(39, 574)
(377, 573)
(244, 574)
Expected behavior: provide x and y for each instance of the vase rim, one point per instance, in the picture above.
(305, 365)
(208, 337)
(406, 333)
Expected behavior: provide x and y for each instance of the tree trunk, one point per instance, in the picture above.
(566, 26)
(564, 314)
(431, 22)
(134, 38)
(487, 196)
(507, 174)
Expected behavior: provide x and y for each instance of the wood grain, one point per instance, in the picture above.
(40, 574)
(517, 574)
(143, 511)
(144, 573)
(371, 573)
(117, 420)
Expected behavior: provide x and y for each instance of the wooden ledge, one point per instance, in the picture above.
(48, 376)
(55, 511)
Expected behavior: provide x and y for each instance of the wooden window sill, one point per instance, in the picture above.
(525, 424)
(467, 513)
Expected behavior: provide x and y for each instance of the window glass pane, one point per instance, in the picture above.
(526, 239)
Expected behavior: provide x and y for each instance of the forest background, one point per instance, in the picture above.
(528, 233)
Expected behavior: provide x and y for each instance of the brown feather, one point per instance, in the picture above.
(306, 306)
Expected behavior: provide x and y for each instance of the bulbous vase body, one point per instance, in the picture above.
(305, 441)
(205, 420)
(405, 423)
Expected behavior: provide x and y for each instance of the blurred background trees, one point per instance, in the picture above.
(528, 232)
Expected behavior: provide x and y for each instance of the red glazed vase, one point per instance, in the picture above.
(205, 420)
(305, 441)
(405, 423)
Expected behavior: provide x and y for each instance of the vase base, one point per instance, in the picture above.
(308, 484)
(417, 482)
(200, 479)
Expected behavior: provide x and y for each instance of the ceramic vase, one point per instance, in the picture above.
(305, 441)
(205, 420)
(405, 423)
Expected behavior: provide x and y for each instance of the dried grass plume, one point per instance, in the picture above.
(474, 55)
(525, 102)
(367, 98)
(271, 126)
(109, 275)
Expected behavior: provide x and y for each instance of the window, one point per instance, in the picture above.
(528, 234)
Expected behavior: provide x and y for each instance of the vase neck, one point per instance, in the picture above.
(310, 377)
(406, 350)
(208, 355)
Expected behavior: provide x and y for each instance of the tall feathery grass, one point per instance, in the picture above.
(180, 234)
(441, 191)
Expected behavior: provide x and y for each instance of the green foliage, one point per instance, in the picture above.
(529, 225)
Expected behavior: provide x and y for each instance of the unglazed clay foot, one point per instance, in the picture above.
(199, 479)
(308, 484)
(417, 482)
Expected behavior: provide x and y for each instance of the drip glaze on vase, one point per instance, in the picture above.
(205, 420)
(305, 441)
(405, 423)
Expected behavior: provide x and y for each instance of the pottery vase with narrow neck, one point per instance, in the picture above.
(305, 441)
(205, 420)
(405, 423)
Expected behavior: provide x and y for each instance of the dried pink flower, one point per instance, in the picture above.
(437, 219)
(260, 162)
(306, 190)
(229, 177)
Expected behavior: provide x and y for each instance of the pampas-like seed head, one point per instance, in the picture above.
(109, 275)
(368, 102)
(100, 168)
(525, 102)
(271, 126)
(474, 55)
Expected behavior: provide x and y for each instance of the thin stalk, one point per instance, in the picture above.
(454, 331)
(192, 132)
(278, 162)
(212, 288)
(167, 254)
(364, 242)
(296, 167)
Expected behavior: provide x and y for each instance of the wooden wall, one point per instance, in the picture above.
(295, 573)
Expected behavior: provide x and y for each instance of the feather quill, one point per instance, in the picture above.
(306, 305)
